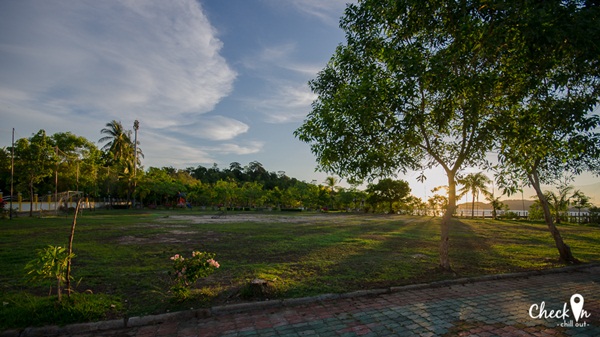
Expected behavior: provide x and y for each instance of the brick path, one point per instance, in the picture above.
(476, 307)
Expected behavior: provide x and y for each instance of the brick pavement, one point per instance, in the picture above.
(469, 307)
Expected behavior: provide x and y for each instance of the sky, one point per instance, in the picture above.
(210, 81)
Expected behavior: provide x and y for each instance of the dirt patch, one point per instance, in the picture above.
(173, 236)
(179, 229)
(259, 218)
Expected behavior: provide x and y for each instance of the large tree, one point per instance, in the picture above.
(414, 87)
(35, 159)
(551, 72)
(80, 161)
(390, 191)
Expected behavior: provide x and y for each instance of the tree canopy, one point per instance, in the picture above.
(413, 87)
(425, 83)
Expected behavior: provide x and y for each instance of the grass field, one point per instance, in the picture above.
(123, 260)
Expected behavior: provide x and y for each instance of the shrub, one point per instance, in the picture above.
(509, 215)
(187, 271)
(50, 264)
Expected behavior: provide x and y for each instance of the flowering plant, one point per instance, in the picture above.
(186, 271)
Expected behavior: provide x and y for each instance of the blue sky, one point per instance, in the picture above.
(210, 81)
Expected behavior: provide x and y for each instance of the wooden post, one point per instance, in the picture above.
(68, 278)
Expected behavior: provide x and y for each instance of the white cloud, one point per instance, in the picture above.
(183, 150)
(289, 102)
(160, 150)
(281, 101)
(249, 147)
(153, 60)
(328, 11)
(281, 56)
(214, 128)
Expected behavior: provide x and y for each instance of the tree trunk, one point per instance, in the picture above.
(473, 207)
(563, 249)
(445, 224)
(68, 276)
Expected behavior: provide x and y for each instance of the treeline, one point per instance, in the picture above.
(47, 165)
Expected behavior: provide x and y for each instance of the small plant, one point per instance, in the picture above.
(187, 271)
(51, 264)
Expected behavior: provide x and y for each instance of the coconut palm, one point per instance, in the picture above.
(474, 183)
(559, 202)
(331, 184)
(118, 142)
(495, 202)
(120, 151)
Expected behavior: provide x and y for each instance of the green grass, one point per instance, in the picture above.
(123, 257)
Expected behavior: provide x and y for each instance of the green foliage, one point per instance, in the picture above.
(594, 214)
(551, 83)
(509, 215)
(389, 191)
(186, 271)
(559, 202)
(22, 310)
(51, 264)
(35, 159)
(535, 211)
(407, 92)
(403, 93)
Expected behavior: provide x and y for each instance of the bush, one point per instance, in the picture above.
(509, 215)
(187, 271)
(21, 310)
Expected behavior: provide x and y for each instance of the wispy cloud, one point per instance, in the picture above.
(284, 56)
(215, 128)
(249, 147)
(161, 150)
(149, 59)
(289, 102)
(284, 98)
(328, 11)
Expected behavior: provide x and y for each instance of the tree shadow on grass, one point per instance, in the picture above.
(405, 253)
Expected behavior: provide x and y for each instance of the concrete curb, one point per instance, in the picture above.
(138, 321)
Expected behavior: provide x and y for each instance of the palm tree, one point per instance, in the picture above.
(495, 202)
(559, 202)
(331, 183)
(118, 142)
(474, 183)
(581, 201)
(121, 152)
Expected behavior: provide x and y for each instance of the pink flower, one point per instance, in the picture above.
(175, 257)
(213, 263)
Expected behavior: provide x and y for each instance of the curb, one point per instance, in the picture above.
(138, 321)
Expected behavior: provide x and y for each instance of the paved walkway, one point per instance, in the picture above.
(475, 307)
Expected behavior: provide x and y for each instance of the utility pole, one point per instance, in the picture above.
(56, 207)
(12, 172)
(136, 126)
